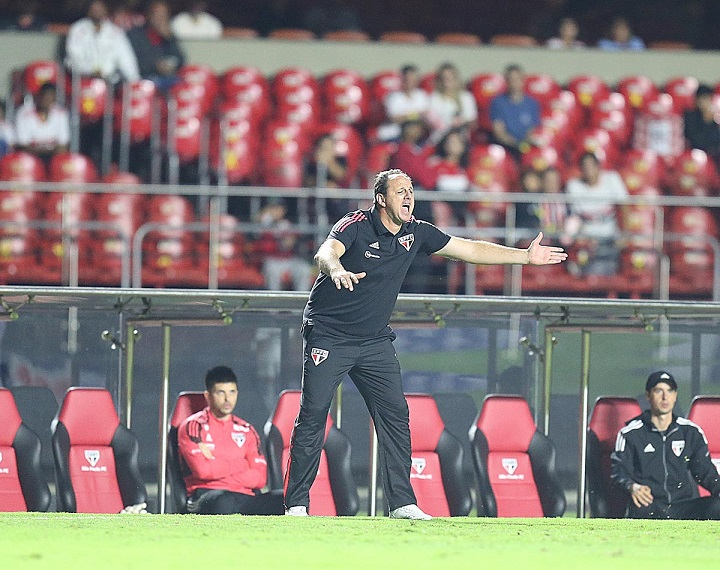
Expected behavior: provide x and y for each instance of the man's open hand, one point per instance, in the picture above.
(544, 254)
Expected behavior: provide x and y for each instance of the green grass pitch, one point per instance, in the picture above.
(68, 541)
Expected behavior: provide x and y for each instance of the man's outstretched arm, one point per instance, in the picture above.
(327, 259)
(486, 253)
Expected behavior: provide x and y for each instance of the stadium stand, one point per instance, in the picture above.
(22, 484)
(333, 492)
(96, 457)
(608, 416)
(705, 411)
(436, 473)
(514, 462)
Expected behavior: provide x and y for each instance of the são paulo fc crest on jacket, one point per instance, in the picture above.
(407, 241)
(319, 355)
(678, 446)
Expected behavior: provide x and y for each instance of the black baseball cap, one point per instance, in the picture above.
(660, 376)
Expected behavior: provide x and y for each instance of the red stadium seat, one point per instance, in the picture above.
(233, 148)
(169, 251)
(485, 87)
(691, 257)
(247, 84)
(513, 40)
(693, 174)
(542, 88)
(292, 34)
(139, 117)
(616, 123)
(458, 39)
(333, 492)
(514, 462)
(567, 104)
(599, 142)
(234, 268)
(22, 485)
(123, 214)
(642, 168)
(639, 257)
(187, 404)
(403, 37)
(92, 99)
(189, 99)
(21, 167)
(609, 415)
(491, 169)
(379, 156)
(555, 129)
(540, 159)
(346, 97)
(201, 75)
(682, 90)
(705, 412)
(436, 473)
(186, 137)
(381, 85)
(637, 90)
(37, 73)
(346, 36)
(588, 88)
(96, 457)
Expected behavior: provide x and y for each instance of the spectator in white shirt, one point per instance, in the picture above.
(97, 47)
(42, 127)
(196, 23)
(410, 103)
(451, 106)
(593, 221)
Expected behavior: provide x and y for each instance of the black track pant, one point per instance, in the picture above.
(703, 508)
(373, 366)
(219, 502)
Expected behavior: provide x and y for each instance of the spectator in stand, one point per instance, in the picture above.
(330, 16)
(448, 168)
(701, 123)
(514, 114)
(196, 23)
(327, 169)
(42, 127)
(28, 19)
(157, 50)
(593, 220)
(221, 457)
(410, 103)
(276, 15)
(450, 106)
(621, 38)
(412, 156)
(567, 38)
(97, 47)
(126, 16)
(7, 133)
(548, 217)
(284, 252)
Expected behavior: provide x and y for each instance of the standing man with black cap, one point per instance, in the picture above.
(660, 458)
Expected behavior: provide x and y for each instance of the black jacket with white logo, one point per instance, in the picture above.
(671, 464)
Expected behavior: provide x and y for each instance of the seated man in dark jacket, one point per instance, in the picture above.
(660, 459)
(157, 50)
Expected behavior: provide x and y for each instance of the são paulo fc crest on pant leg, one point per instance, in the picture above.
(319, 355)
(407, 241)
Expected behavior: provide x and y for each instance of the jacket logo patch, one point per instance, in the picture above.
(407, 241)
(375, 245)
(319, 355)
(238, 438)
(649, 448)
(419, 464)
(678, 446)
(369, 254)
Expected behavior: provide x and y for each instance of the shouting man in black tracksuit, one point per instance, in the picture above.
(345, 330)
(660, 459)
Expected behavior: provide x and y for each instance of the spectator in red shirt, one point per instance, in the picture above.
(223, 466)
